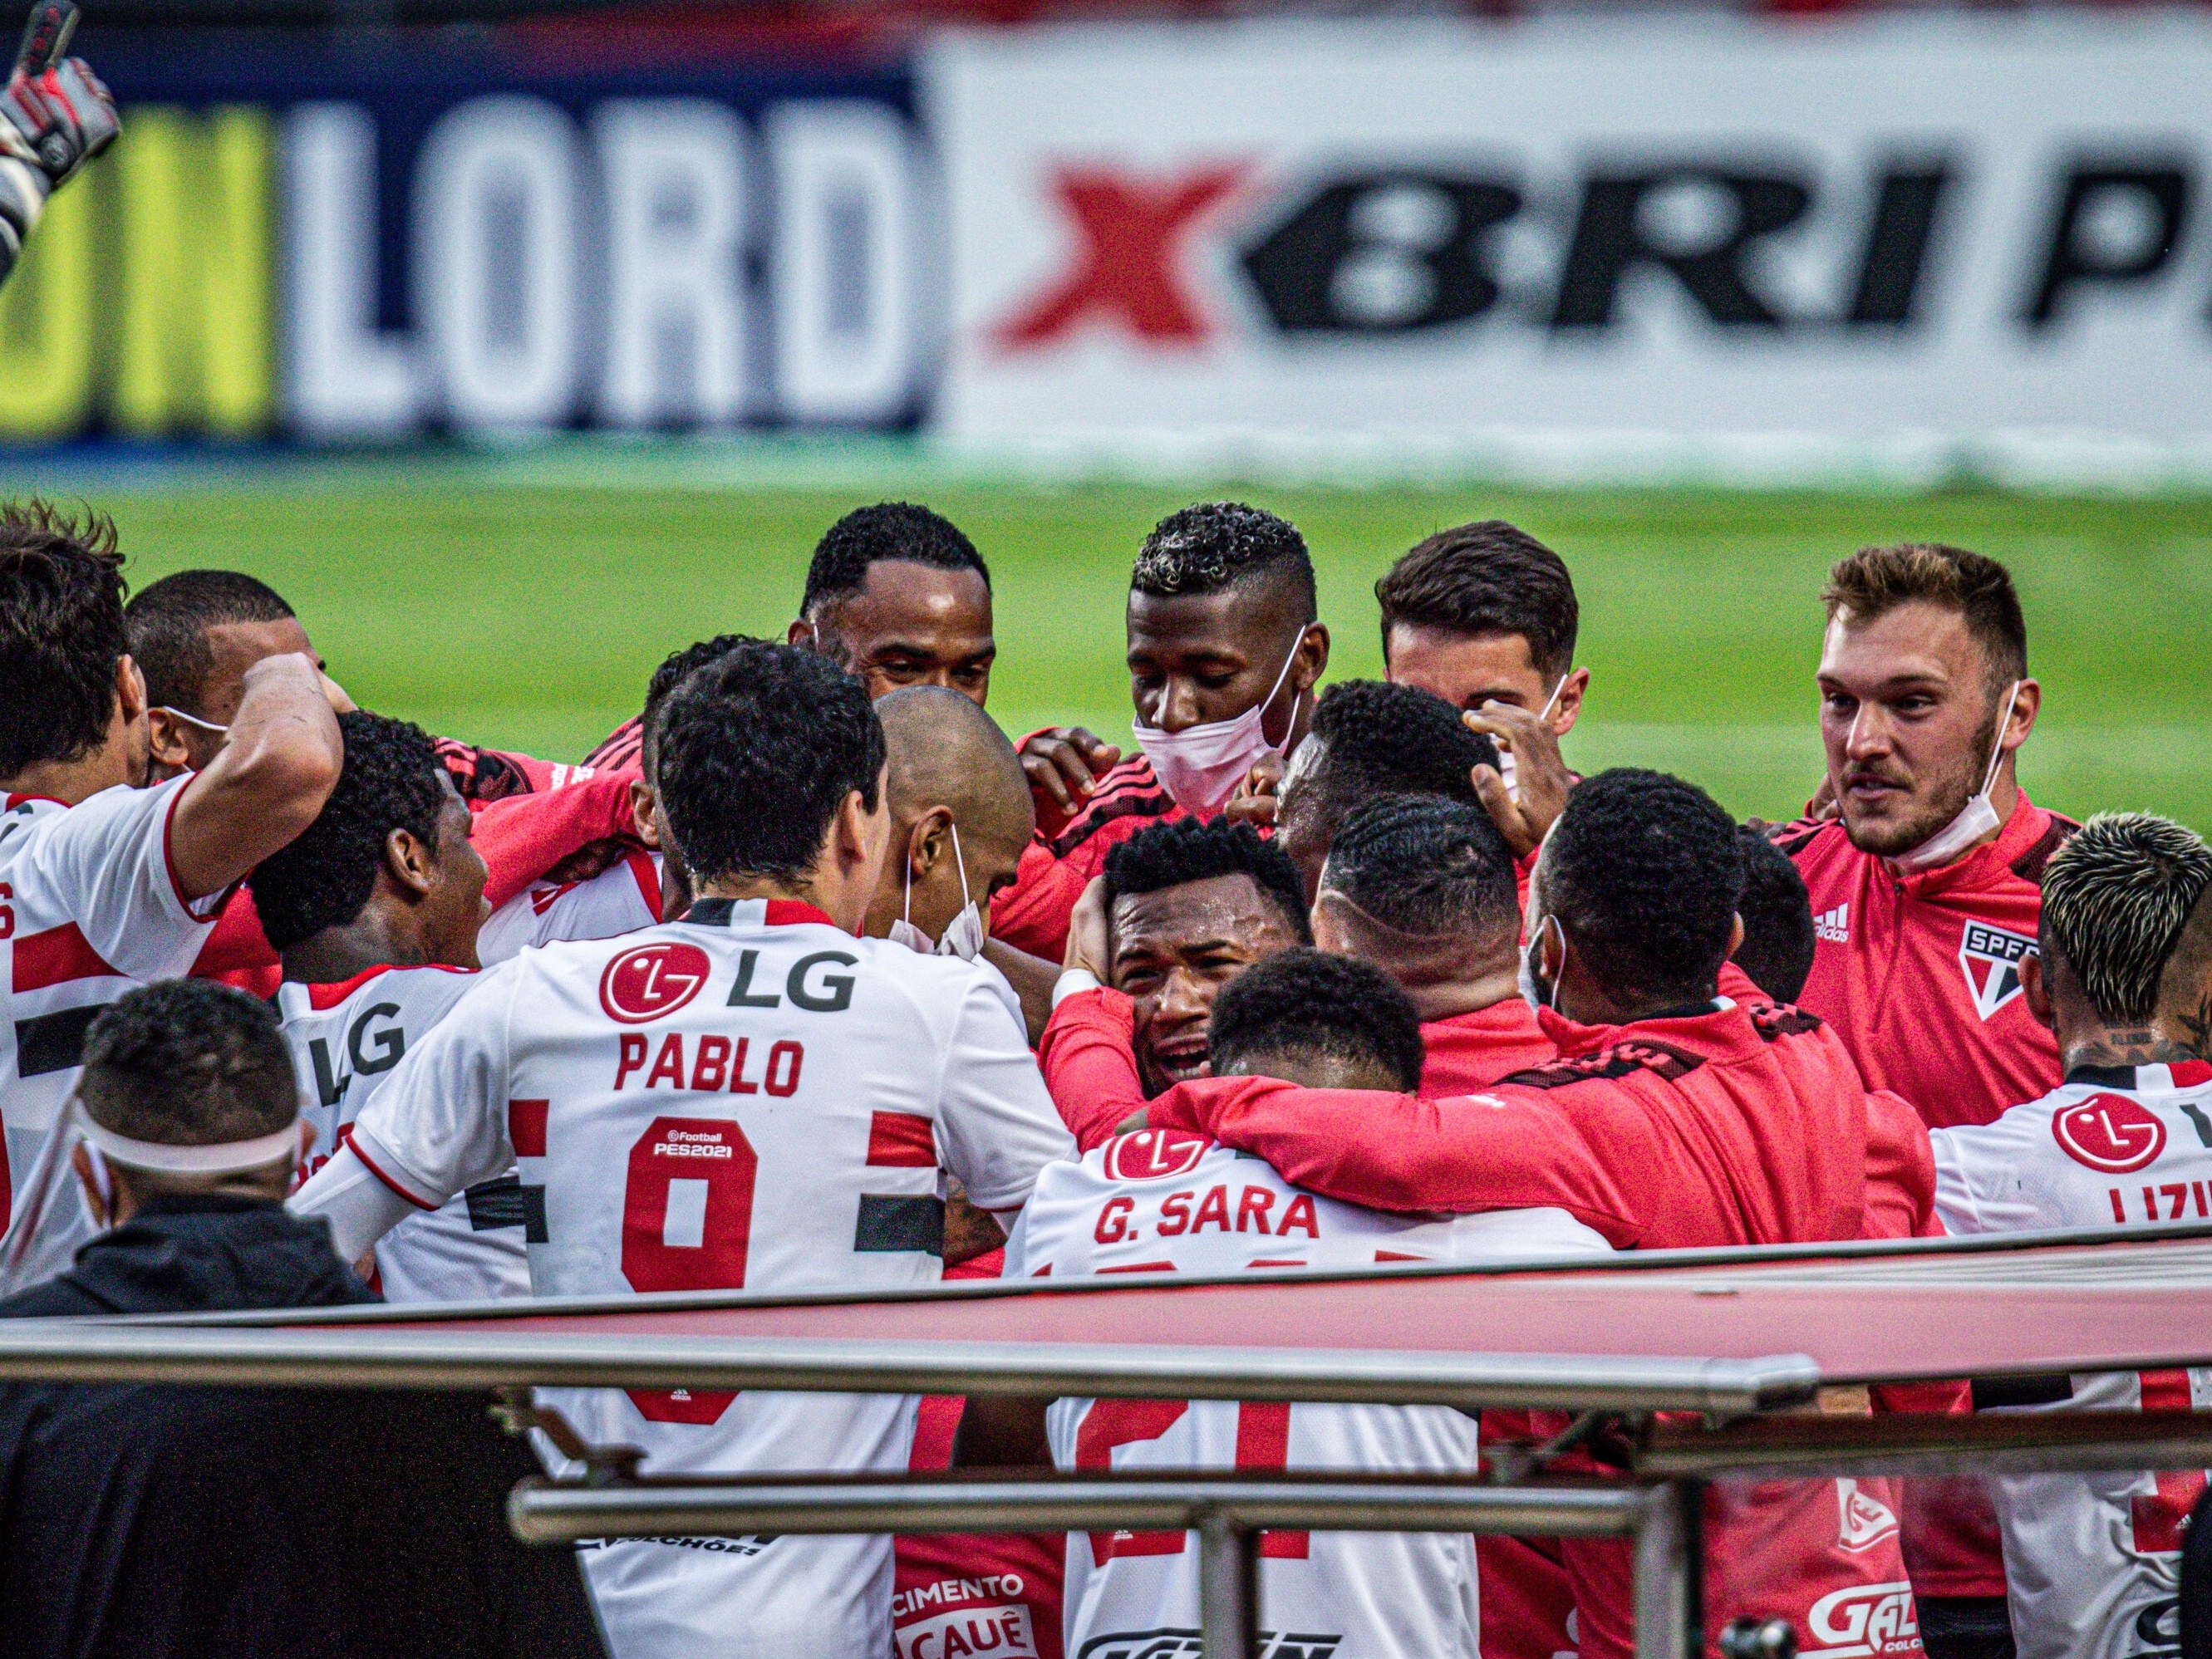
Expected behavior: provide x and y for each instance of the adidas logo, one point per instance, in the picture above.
(1834, 925)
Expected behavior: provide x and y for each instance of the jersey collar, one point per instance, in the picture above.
(2182, 1075)
(756, 913)
(1721, 1031)
(1991, 864)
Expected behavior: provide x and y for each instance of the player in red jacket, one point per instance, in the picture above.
(1224, 651)
(1926, 889)
(1674, 1117)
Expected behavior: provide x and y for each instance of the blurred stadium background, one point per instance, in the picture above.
(519, 343)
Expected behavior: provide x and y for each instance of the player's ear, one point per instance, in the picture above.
(411, 864)
(930, 842)
(2037, 990)
(165, 739)
(1313, 656)
(645, 813)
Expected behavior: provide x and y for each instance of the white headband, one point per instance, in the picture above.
(226, 1158)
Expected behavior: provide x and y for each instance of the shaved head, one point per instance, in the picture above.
(960, 805)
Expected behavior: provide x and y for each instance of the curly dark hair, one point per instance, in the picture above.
(757, 751)
(1169, 854)
(1486, 578)
(167, 625)
(1218, 545)
(188, 1063)
(890, 530)
(675, 668)
(1308, 1002)
(1644, 872)
(1778, 919)
(1428, 867)
(393, 779)
(1378, 738)
(61, 632)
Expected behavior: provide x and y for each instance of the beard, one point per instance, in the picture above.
(1922, 818)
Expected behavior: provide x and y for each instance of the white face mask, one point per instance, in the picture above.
(963, 935)
(1975, 819)
(1506, 767)
(1200, 766)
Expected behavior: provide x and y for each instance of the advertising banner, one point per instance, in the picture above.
(1785, 237)
(356, 244)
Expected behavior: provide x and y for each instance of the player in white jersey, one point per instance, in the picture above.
(375, 909)
(750, 1098)
(2125, 977)
(105, 885)
(1163, 1201)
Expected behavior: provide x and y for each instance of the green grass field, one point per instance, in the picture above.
(497, 602)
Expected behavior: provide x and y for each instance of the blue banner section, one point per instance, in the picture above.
(336, 244)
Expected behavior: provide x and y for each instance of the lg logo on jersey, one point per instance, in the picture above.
(2110, 1133)
(651, 981)
(654, 981)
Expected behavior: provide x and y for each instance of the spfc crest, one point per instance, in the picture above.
(1991, 957)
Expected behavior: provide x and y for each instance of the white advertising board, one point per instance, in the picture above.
(1891, 237)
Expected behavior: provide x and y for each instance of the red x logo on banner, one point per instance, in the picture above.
(1126, 271)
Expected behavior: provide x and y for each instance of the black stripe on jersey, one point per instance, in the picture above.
(506, 1202)
(710, 912)
(55, 1041)
(1991, 1393)
(2104, 1077)
(901, 1223)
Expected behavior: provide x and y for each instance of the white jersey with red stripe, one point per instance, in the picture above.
(2093, 1561)
(620, 899)
(1165, 1202)
(346, 1041)
(748, 1099)
(89, 908)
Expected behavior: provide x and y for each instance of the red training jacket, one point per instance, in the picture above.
(1740, 1126)
(1068, 853)
(1919, 975)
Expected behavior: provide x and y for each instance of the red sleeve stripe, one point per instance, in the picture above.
(369, 1163)
(169, 860)
(525, 1126)
(648, 884)
(1141, 1267)
(59, 955)
(900, 1140)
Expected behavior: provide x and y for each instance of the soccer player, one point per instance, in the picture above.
(58, 117)
(1181, 910)
(2123, 978)
(1673, 1117)
(1925, 888)
(1777, 952)
(105, 883)
(1423, 887)
(1370, 739)
(1168, 1202)
(960, 817)
(376, 909)
(750, 1098)
(1225, 649)
(1484, 616)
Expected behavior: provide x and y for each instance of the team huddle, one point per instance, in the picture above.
(808, 979)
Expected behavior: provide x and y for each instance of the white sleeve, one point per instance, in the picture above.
(105, 864)
(1018, 1247)
(360, 1206)
(438, 1125)
(1955, 1207)
(996, 1124)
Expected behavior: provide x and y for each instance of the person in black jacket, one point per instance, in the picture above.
(167, 1523)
